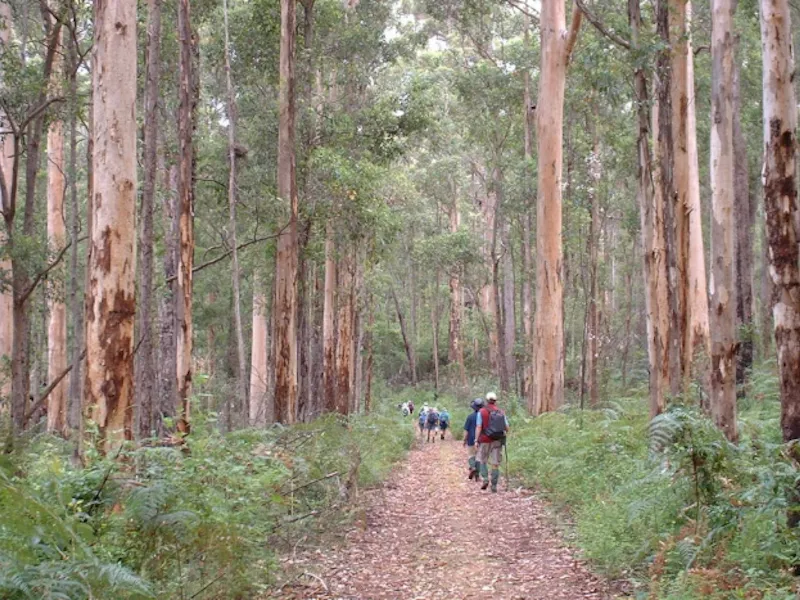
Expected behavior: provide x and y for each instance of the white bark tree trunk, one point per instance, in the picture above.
(723, 226)
(548, 354)
(6, 297)
(780, 204)
(109, 327)
(56, 237)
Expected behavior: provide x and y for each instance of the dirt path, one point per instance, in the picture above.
(420, 542)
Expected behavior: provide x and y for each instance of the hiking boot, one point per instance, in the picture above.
(494, 489)
(485, 485)
(472, 473)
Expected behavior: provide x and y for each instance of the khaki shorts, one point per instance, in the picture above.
(472, 450)
(491, 453)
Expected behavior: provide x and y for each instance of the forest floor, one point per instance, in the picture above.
(424, 536)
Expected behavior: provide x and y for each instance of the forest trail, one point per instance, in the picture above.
(419, 541)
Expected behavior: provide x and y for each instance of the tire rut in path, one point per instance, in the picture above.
(421, 541)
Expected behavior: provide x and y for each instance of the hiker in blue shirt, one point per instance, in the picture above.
(444, 421)
(469, 438)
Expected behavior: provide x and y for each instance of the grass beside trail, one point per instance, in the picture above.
(202, 521)
(671, 505)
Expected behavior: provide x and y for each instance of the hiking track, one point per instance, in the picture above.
(420, 540)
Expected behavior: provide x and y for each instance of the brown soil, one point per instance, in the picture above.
(425, 537)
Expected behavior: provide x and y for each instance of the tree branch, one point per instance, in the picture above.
(43, 273)
(227, 253)
(524, 9)
(39, 110)
(601, 28)
(572, 34)
(49, 389)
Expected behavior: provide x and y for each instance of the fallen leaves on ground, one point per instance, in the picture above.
(433, 534)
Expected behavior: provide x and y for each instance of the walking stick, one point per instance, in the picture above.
(505, 447)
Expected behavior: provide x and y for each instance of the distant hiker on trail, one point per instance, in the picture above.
(469, 438)
(491, 428)
(423, 417)
(432, 423)
(404, 408)
(444, 421)
(411, 407)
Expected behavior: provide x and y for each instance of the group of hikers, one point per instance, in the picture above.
(486, 429)
(433, 421)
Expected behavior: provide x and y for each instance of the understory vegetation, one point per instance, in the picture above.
(671, 505)
(201, 520)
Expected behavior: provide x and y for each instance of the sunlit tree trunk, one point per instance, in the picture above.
(652, 231)
(258, 355)
(780, 204)
(168, 357)
(56, 237)
(285, 306)
(328, 330)
(723, 290)
(370, 350)
(548, 355)
(697, 343)
(509, 313)
(109, 339)
(184, 330)
(144, 359)
(690, 277)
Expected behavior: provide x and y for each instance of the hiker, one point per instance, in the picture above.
(405, 409)
(423, 416)
(411, 407)
(432, 423)
(469, 438)
(491, 428)
(444, 421)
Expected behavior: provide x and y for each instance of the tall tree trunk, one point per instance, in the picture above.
(488, 295)
(184, 331)
(241, 372)
(780, 205)
(744, 215)
(57, 238)
(435, 325)
(767, 324)
(258, 355)
(76, 299)
(144, 360)
(527, 296)
(692, 298)
(653, 242)
(592, 324)
(168, 356)
(370, 354)
(548, 359)
(344, 341)
(285, 307)
(456, 349)
(328, 329)
(7, 164)
(509, 314)
(697, 342)
(723, 292)
(412, 361)
(109, 332)
(665, 194)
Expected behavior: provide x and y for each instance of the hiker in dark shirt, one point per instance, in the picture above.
(469, 438)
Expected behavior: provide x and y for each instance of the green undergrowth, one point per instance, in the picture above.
(205, 520)
(670, 504)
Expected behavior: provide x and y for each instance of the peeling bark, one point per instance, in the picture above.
(110, 319)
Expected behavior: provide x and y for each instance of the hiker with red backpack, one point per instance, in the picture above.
(491, 429)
